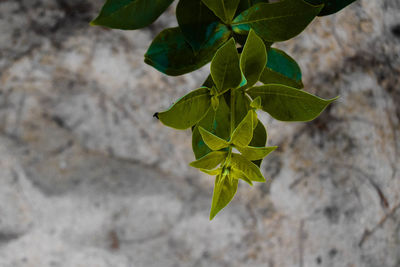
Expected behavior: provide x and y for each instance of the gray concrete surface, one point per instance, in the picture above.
(88, 177)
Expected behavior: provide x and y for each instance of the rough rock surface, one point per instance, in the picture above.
(89, 178)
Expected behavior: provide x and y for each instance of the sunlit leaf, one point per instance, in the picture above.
(188, 110)
(249, 169)
(253, 58)
(243, 133)
(255, 153)
(224, 191)
(212, 141)
(289, 104)
(210, 161)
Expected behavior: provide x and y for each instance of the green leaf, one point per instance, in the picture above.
(253, 58)
(331, 6)
(278, 21)
(209, 82)
(259, 139)
(171, 54)
(225, 69)
(197, 27)
(281, 69)
(188, 110)
(224, 191)
(243, 133)
(255, 153)
(212, 172)
(224, 9)
(237, 174)
(249, 169)
(256, 103)
(289, 104)
(210, 161)
(242, 106)
(130, 14)
(213, 141)
(216, 122)
(246, 4)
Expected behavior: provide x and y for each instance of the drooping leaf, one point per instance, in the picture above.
(259, 139)
(225, 69)
(209, 161)
(130, 14)
(212, 141)
(224, 9)
(255, 153)
(249, 169)
(243, 133)
(216, 122)
(197, 27)
(331, 6)
(169, 52)
(188, 110)
(289, 104)
(253, 58)
(224, 191)
(281, 69)
(278, 21)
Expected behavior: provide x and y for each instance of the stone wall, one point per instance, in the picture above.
(89, 178)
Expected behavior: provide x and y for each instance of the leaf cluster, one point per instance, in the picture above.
(246, 75)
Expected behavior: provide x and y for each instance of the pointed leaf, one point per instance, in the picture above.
(197, 27)
(246, 4)
(289, 104)
(281, 69)
(253, 58)
(243, 134)
(130, 14)
(210, 161)
(255, 153)
(212, 172)
(169, 52)
(224, 9)
(331, 6)
(224, 191)
(247, 167)
(213, 141)
(188, 110)
(256, 103)
(225, 69)
(278, 21)
(216, 122)
(237, 174)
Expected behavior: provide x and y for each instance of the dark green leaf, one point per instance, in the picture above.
(225, 69)
(171, 54)
(281, 69)
(188, 110)
(255, 153)
(130, 14)
(243, 133)
(224, 191)
(216, 122)
(278, 21)
(197, 27)
(212, 141)
(210, 161)
(289, 104)
(249, 169)
(224, 9)
(331, 6)
(246, 4)
(253, 58)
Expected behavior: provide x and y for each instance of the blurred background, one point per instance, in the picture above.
(89, 178)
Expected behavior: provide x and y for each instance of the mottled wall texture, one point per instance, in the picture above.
(89, 178)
